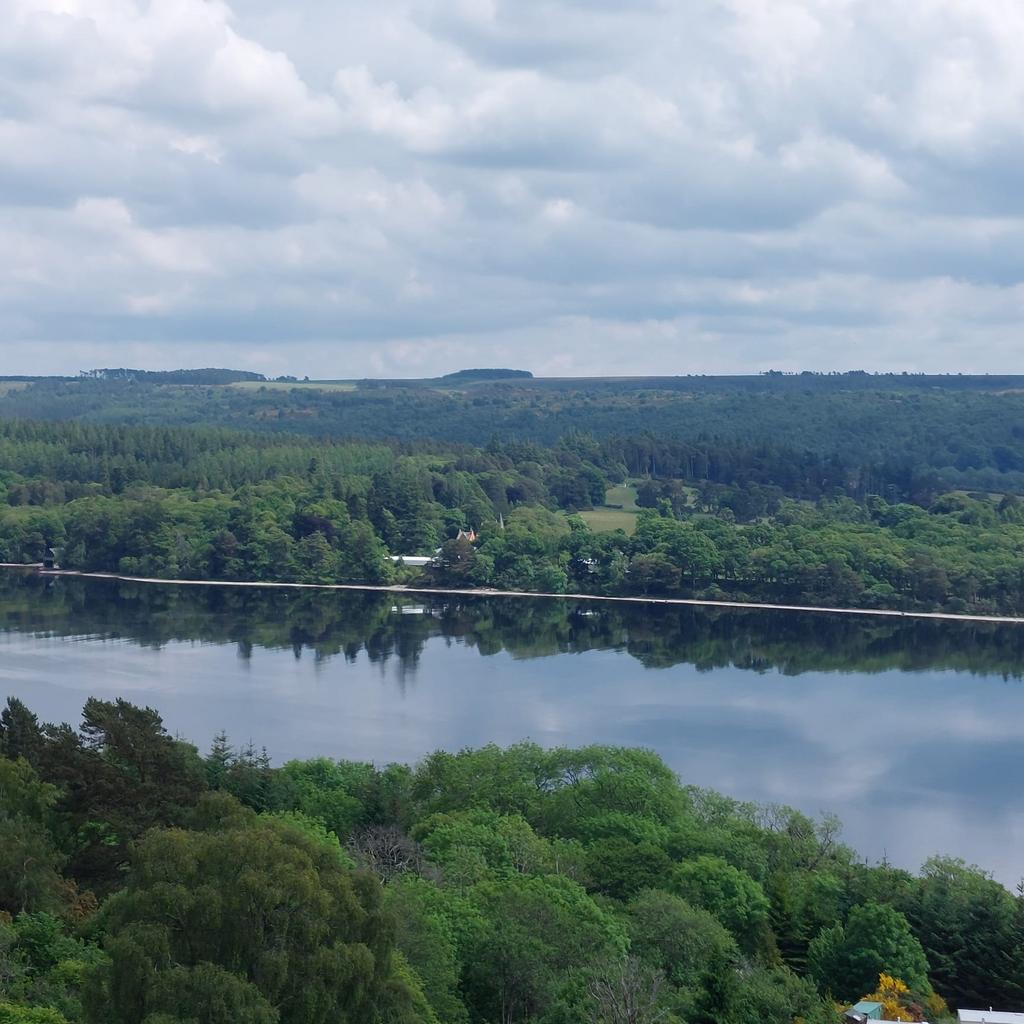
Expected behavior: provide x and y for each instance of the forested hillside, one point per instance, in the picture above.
(142, 882)
(213, 504)
(902, 432)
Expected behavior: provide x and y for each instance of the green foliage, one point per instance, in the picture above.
(474, 845)
(29, 861)
(972, 931)
(119, 774)
(895, 435)
(210, 504)
(619, 868)
(774, 994)
(846, 960)
(426, 934)
(521, 885)
(260, 922)
(731, 895)
(404, 1000)
(530, 932)
(11, 1014)
(21, 792)
(688, 944)
(20, 734)
(323, 789)
(43, 965)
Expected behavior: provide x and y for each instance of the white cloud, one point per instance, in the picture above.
(568, 185)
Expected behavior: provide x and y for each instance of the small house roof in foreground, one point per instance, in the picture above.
(989, 1017)
(869, 1009)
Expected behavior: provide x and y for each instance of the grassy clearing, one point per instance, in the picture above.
(7, 386)
(624, 495)
(991, 495)
(286, 385)
(607, 520)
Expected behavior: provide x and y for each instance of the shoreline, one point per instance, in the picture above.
(487, 592)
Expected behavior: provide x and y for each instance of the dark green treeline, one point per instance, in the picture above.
(208, 504)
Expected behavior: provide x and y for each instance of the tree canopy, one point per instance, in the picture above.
(495, 886)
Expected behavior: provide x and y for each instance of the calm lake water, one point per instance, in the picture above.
(910, 731)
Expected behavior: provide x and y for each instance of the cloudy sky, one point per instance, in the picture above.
(406, 187)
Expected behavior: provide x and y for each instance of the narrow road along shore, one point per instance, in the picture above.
(486, 592)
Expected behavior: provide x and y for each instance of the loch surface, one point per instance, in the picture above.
(910, 731)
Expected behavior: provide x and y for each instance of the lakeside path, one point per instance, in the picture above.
(453, 592)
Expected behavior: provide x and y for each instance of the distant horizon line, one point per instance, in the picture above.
(255, 376)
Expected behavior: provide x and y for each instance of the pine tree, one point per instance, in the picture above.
(218, 761)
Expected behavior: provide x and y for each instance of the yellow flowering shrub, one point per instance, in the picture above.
(896, 999)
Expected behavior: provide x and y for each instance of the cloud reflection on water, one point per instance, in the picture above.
(913, 762)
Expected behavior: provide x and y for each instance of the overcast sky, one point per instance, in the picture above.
(406, 187)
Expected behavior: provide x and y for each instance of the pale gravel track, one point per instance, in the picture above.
(484, 592)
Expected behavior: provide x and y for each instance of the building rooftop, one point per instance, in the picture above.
(412, 559)
(867, 1007)
(989, 1016)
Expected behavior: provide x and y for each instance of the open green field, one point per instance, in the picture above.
(624, 495)
(289, 385)
(606, 519)
(991, 495)
(7, 386)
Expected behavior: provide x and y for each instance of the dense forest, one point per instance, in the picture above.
(893, 435)
(215, 504)
(144, 883)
